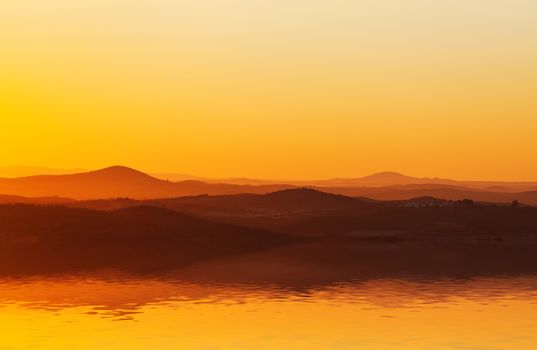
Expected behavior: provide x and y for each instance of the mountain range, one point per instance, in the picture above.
(381, 179)
(124, 182)
(122, 219)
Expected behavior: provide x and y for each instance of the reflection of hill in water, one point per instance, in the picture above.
(318, 263)
(120, 295)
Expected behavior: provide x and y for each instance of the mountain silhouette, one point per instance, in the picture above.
(385, 179)
(124, 182)
(298, 200)
(382, 179)
(117, 181)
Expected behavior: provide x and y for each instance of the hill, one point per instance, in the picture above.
(116, 182)
(71, 237)
(280, 202)
(123, 182)
(388, 179)
(382, 179)
(300, 200)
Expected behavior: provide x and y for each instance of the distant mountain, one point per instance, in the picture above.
(109, 182)
(382, 179)
(378, 179)
(386, 179)
(116, 182)
(123, 182)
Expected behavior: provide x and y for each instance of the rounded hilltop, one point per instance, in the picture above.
(119, 171)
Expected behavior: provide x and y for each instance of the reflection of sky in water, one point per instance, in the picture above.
(76, 313)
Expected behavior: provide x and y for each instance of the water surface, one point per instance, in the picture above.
(110, 310)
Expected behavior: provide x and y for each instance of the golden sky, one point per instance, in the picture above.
(272, 89)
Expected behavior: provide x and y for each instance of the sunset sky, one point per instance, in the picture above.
(272, 89)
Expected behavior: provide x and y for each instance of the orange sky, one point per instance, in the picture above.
(272, 89)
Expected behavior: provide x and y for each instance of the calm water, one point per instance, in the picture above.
(121, 312)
